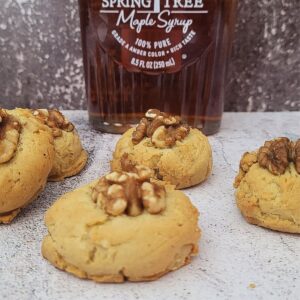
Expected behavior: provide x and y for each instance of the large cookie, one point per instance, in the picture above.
(122, 227)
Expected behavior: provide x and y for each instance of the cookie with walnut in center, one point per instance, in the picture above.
(268, 186)
(70, 157)
(122, 227)
(175, 152)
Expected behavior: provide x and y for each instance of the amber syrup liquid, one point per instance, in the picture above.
(118, 96)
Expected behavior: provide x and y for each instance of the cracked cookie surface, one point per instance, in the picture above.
(83, 239)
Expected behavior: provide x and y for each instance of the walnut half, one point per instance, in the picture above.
(248, 159)
(275, 155)
(55, 120)
(129, 193)
(128, 166)
(10, 130)
(163, 129)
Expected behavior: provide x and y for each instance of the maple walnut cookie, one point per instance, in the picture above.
(177, 153)
(268, 186)
(70, 157)
(26, 159)
(122, 227)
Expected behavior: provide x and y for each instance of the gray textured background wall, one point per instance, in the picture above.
(41, 65)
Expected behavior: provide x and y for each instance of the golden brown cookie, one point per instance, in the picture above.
(122, 227)
(177, 153)
(26, 159)
(268, 186)
(70, 157)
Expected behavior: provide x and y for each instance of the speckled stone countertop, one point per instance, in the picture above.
(236, 261)
(41, 59)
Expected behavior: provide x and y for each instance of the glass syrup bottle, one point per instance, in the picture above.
(171, 55)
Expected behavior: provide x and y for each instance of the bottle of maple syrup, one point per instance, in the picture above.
(166, 54)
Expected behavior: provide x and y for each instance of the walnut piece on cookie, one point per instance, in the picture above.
(10, 130)
(248, 159)
(54, 119)
(163, 129)
(129, 193)
(275, 155)
(268, 186)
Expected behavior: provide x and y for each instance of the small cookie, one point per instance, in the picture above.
(70, 157)
(268, 186)
(177, 153)
(122, 227)
(26, 159)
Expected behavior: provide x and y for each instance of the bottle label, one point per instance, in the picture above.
(155, 36)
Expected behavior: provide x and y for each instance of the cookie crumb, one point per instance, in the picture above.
(252, 286)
